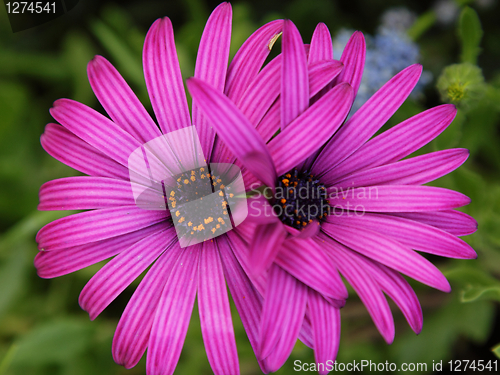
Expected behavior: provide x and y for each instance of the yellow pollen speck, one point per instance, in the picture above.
(224, 212)
(189, 224)
(179, 179)
(193, 178)
(231, 195)
(192, 173)
(208, 174)
(173, 204)
(222, 186)
(202, 176)
(182, 219)
(221, 193)
(201, 227)
(288, 175)
(217, 226)
(172, 193)
(219, 180)
(177, 213)
(283, 200)
(209, 219)
(213, 230)
(202, 169)
(186, 181)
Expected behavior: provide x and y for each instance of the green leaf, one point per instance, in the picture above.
(496, 350)
(470, 33)
(53, 342)
(476, 284)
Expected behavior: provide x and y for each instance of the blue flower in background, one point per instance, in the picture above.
(387, 53)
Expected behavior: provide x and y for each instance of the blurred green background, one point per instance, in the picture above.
(42, 328)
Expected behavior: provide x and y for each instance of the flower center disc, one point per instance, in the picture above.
(300, 199)
(198, 204)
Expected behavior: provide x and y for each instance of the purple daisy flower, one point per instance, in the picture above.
(363, 210)
(158, 314)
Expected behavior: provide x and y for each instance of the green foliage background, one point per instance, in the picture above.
(42, 328)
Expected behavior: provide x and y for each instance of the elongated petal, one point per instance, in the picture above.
(353, 58)
(246, 298)
(119, 101)
(455, 222)
(77, 193)
(51, 264)
(396, 198)
(416, 235)
(399, 141)
(173, 314)
(266, 245)
(282, 315)
(325, 320)
(215, 315)
(307, 262)
(95, 129)
(396, 287)
(321, 45)
(132, 333)
(92, 226)
(294, 76)
(414, 171)
(117, 274)
(235, 130)
(66, 147)
(390, 253)
(260, 211)
(249, 59)
(307, 133)
(163, 77)
(211, 67)
(368, 119)
(320, 74)
(366, 288)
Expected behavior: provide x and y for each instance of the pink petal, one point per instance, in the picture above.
(211, 67)
(414, 171)
(260, 211)
(235, 130)
(215, 315)
(368, 119)
(119, 101)
(294, 75)
(411, 233)
(325, 321)
(455, 222)
(249, 59)
(132, 333)
(163, 77)
(396, 198)
(92, 226)
(282, 315)
(246, 298)
(397, 142)
(307, 133)
(388, 252)
(118, 273)
(266, 245)
(95, 129)
(366, 288)
(353, 58)
(78, 154)
(51, 264)
(396, 287)
(321, 45)
(320, 74)
(173, 314)
(307, 262)
(82, 192)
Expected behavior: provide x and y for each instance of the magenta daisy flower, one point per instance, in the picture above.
(339, 199)
(113, 225)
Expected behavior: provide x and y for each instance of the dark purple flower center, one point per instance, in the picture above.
(198, 204)
(300, 199)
